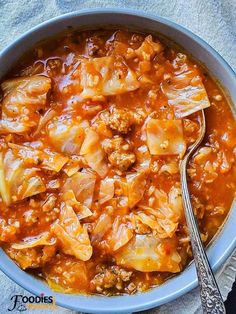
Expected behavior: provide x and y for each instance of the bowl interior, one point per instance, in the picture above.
(225, 241)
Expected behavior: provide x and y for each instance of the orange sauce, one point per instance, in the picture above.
(211, 174)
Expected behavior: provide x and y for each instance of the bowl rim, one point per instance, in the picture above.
(231, 243)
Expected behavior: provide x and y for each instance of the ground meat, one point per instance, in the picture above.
(119, 153)
(67, 272)
(122, 120)
(122, 161)
(198, 207)
(8, 231)
(191, 130)
(112, 277)
(32, 257)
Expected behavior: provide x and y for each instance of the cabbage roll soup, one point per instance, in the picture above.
(93, 127)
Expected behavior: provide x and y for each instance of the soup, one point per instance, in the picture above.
(93, 127)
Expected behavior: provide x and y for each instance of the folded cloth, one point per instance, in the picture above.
(214, 21)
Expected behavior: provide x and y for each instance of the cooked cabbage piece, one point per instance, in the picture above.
(169, 205)
(149, 49)
(34, 185)
(49, 115)
(176, 203)
(81, 210)
(23, 97)
(148, 253)
(93, 152)
(18, 181)
(186, 93)
(103, 224)
(165, 137)
(106, 76)
(143, 158)
(40, 240)
(4, 188)
(164, 227)
(107, 190)
(164, 214)
(67, 133)
(136, 187)
(43, 159)
(33, 257)
(73, 237)
(121, 234)
(74, 165)
(82, 184)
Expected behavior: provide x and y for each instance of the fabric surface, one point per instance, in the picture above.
(212, 20)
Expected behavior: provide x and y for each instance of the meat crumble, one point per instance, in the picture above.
(119, 153)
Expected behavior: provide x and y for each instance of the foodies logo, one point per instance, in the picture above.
(23, 303)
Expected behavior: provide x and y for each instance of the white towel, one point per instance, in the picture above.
(212, 20)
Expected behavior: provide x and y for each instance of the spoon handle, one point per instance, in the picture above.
(211, 299)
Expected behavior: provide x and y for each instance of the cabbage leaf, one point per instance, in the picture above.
(106, 76)
(23, 96)
(165, 137)
(72, 236)
(148, 253)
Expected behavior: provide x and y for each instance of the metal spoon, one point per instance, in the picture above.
(211, 299)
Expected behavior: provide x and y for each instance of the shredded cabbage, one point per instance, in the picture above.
(102, 77)
(81, 210)
(148, 253)
(165, 137)
(23, 96)
(186, 93)
(121, 234)
(148, 49)
(19, 181)
(43, 159)
(42, 239)
(49, 115)
(103, 225)
(93, 152)
(106, 191)
(136, 187)
(82, 184)
(71, 235)
(4, 189)
(165, 214)
(67, 133)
